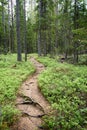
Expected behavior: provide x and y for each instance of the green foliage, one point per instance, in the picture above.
(48, 62)
(31, 37)
(8, 112)
(65, 87)
(12, 75)
(8, 115)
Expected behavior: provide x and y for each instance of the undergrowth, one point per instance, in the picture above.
(12, 74)
(65, 87)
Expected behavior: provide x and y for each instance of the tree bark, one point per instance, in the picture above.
(75, 27)
(9, 27)
(39, 30)
(19, 56)
(25, 41)
(4, 31)
(12, 28)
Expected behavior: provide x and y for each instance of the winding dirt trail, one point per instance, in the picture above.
(32, 103)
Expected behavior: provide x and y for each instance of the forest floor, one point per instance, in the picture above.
(31, 102)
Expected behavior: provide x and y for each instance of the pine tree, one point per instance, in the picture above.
(25, 41)
(19, 56)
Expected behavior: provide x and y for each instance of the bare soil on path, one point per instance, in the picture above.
(31, 102)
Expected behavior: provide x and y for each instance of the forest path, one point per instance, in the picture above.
(31, 102)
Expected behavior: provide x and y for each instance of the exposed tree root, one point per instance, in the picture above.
(30, 118)
(28, 115)
(30, 101)
(25, 102)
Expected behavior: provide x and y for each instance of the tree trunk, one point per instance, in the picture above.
(12, 28)
(66, 21)
(45, 42)
(56, 25)
(75, 27)
(19, 56)
(25, 42)
(9, 27)
(4, 31)
(39, 30)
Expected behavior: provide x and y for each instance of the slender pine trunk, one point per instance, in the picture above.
(25, 41)
(12, 28)
(39, 30)
(4, 31)
(19, 56)
(9, 40)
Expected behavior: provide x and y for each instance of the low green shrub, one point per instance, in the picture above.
(65, 87)
(12, 74)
